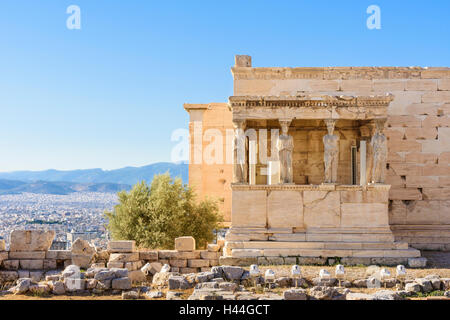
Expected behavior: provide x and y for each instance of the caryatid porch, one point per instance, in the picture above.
(317, 188)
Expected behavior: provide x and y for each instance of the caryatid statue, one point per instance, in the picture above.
(240, 172)
(331, 152)
(285, 147)
(379, 151)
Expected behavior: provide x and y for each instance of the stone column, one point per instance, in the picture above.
(240, 147)
(285, 147)
(379, 149)
(331, 152)
(362, 161)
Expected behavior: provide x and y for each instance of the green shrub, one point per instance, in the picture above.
(155, 215)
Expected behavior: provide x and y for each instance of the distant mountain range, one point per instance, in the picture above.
(92, 180)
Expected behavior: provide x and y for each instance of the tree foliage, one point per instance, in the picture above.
(155, 215)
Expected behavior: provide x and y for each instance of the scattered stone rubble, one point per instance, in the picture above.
(29, 267)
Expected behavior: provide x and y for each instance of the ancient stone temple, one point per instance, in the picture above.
(329, 162)
(337, 205)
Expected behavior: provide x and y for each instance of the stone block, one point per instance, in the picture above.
(31, 240)
(2, 245)
(356, 85)
(388, 85)
(188, 270)
(137, 276)
(208, 255)
(364, 214)
(249, 208)
(11, 264)
(213, 247)
(174, 254)
(115, 264)
(421, 85)
(198, 263)
(126, 246)
(444, 84)
(124, 257)
(436, 193)
(421, 182)
(121, 284)
(8, 276)
(148, 255)
(132, 266)
(321, 208)
(83, 261)
(178, 263)
(185, 244)
(285, 209)
(33, 255)
(417, 262)
(50, 264)
(405, 194)
(32, 264)
(436, 97)
(58, 254)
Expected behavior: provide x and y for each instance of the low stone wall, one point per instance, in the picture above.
(29, 257)
(184, 259)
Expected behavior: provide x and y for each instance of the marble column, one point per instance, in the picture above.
(379, 149)
(285, 147)
(331, 152)
(240, 152)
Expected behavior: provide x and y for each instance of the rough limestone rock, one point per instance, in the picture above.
(178, 282)
(358, 296)
(417, 262)
(295, 294)
(447, 294)
(137, 276)
(228, 286)
(120, 272)
(386, 295)
(435, 281)
(121, 284)
(105, 275)
(204, 277)
(323, 293)
(185, 244)
(130, 295)
(82, 253)
(328, 282)
(58, 288)
(445, 283)
(161, 279)
(31, 240)
(151, 268)
(173, 295)
(232, 273)
(39, 289)
(22, 286)
(154, 294)
(425, 284)
(71, 271)
(283, 282)
(413, 287)
(218, 271)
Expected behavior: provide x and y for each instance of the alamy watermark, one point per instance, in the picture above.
(73, 22)
(374, 20)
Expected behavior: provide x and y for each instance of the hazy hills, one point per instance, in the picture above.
(92, 180)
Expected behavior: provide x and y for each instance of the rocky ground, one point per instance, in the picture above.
(235, 283)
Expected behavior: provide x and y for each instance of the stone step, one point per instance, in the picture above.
(316, 245)
(393, 253)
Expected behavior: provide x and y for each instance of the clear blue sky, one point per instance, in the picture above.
(110, 95)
